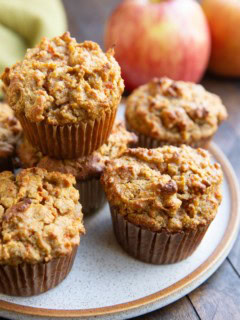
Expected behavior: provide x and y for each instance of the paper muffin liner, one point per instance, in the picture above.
(92, 196)
(69, 141)
(32, 279)
(151, 143)
(155, 247)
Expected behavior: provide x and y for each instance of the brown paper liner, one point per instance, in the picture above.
(69, 141)
(92, 196)
(151, 143)
(155, 247)
(32, 279)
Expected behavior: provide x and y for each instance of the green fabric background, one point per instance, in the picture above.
(24, 22)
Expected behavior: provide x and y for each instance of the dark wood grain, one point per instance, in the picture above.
(180, 310)
(218, 297)
(228, 137)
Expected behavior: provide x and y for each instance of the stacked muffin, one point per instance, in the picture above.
(65, 95)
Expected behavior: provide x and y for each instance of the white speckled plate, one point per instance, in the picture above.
(106, 283)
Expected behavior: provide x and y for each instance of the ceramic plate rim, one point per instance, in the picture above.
(206, 268)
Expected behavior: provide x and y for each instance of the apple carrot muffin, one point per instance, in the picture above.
(40, 228)
(66, 95)
(10, 132)
(87, 170)
(162, 200)
(164, 111)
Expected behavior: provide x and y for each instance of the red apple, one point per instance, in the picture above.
(224, 22)
(159, 38)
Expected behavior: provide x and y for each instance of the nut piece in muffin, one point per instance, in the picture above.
(165, 111)
(10, 132)
(170, 195)
(87, 170)
(62, 83)
(40, 228)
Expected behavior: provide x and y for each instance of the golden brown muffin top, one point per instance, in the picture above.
(40, 216)
(64, 82)
(10, 131)
(174, 111)
(85, 167)
(165, 188)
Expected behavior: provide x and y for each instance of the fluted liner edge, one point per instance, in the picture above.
(155, 247)
(32, 279)
(92, 196)
(69, 141)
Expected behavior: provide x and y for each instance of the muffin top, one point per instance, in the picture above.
(10, 131)
(40, 216)
(174, 111)
(167, 188)
(64, 82)
(81, 168)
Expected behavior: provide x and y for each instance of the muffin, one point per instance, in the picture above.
(87, 170)
(10, 132)
(170, 112)
(66, 95)
(162, 201)
(40, 228)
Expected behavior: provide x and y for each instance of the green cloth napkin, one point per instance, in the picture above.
(24, 22)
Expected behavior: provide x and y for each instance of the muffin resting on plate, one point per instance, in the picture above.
(162, 200)
(66, 95)
(87, 170)
(10, 132)
(164, 111)
(40, 228)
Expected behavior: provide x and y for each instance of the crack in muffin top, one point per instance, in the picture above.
(64, 82)
(85, 167)
(174, 111)
(10, 131)
(40, 216)
(165, 188)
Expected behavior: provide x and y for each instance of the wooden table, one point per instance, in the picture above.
(219, 297)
